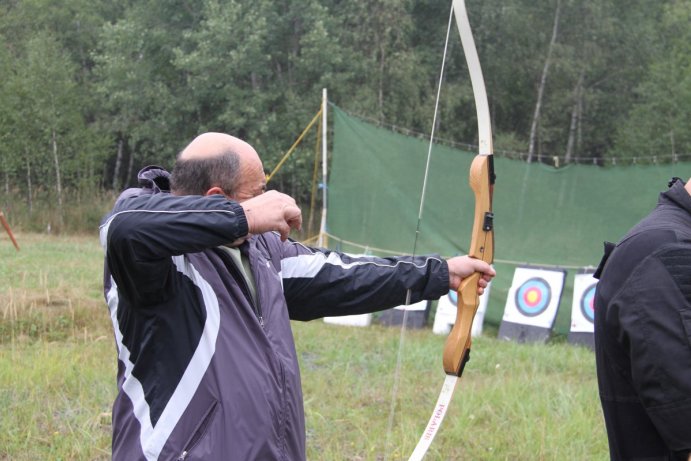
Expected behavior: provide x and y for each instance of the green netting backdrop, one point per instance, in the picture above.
(543, 216)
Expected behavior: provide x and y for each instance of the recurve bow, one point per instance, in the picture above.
(457, 347)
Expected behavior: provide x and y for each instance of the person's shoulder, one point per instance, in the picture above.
(138, 198)
(643, 241)
(675, 258)
(271, 244)
(633, 250)
(153, 182)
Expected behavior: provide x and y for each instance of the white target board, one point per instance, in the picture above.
(445, 317)
(414, 315)
(418, 306)
(534, 297)
(359, 320)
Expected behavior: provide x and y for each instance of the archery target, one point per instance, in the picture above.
(583, 304)
(445, 317)
(587, 304)
(534, 297)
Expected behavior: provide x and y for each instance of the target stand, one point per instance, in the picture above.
(582, 330)
(357, 320)
(416, 318)
(532, 304)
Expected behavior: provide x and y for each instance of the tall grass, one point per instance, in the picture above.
(58, 363)
(515, 401)
(81, 212)
(51, 289)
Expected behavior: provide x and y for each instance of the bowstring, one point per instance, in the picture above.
(399, 357)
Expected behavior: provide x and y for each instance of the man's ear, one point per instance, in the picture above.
(215, 190)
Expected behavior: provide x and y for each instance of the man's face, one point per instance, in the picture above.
(252, 183)
(252, 178)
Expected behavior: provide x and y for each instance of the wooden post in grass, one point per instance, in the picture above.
(7, 228)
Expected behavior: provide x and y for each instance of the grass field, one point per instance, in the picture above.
(57, 378)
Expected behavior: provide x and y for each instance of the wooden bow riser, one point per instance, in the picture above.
(457, 347)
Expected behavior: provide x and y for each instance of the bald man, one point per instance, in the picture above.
(202, 281)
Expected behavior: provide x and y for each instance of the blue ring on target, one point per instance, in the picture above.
(453, 297)
(533, 297)
(588, 303)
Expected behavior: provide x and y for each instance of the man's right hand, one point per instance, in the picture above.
(272, 211)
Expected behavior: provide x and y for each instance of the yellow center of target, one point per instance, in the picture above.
(532, 296)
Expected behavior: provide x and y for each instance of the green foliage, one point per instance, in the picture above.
(47, 142)
(87, 206)
(94, 90)
(658, 124)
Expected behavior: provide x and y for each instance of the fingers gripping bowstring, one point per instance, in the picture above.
(397, 372)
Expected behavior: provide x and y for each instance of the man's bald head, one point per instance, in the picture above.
(211, 144)
(216, 162)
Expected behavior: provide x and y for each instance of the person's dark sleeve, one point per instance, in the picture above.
(320, 283)
(142, 233)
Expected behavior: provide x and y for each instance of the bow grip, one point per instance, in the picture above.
(457, 346)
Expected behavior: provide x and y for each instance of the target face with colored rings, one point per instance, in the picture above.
(588, 303)
(533, 297)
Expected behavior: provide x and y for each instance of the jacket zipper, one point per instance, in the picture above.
(244, 252)
(199, 431)
(256, 308)
(255, 304)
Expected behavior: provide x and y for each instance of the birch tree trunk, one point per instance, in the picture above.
(541, 87)
(382, 69)
(29, 188)
(130, 167)
(118, 164)
(575, 117)
(58, 180)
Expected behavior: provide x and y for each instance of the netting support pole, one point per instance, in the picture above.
(323, 242)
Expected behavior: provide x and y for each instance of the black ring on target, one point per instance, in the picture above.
(533, 297)
(588, 303)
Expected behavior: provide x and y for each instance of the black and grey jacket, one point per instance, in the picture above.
(206, 371)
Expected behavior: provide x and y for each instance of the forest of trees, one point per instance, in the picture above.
(91, 90)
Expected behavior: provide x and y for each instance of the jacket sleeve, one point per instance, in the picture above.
(319, 282)
(143, 232)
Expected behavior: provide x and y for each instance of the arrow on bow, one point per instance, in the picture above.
(457, 347)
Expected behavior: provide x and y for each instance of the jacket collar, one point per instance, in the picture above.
(677, 194)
